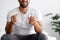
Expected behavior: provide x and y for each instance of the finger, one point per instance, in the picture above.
(28, 18)
(32, 17)
(16, 14)
(11, 19)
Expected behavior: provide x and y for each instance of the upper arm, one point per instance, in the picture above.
(38, 17)
(8, 21)
(6, 25)
(8, 17)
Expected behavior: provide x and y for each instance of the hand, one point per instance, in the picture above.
(14, 18)
(32, 20)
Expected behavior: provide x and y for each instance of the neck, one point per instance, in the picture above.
(23, 10)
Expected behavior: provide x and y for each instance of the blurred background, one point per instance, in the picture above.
(47, 8)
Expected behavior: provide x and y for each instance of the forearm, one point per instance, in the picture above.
(9, 28)
(38, 27)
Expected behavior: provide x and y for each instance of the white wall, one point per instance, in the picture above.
(45, 6)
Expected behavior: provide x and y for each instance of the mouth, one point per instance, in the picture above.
(24, 3)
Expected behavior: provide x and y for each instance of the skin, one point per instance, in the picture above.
(32, 19)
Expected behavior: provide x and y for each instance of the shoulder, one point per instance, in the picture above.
(36, 13)
(35, 10)
(12, 12)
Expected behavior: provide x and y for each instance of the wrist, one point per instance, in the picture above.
(11, 22)
(35, 22)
